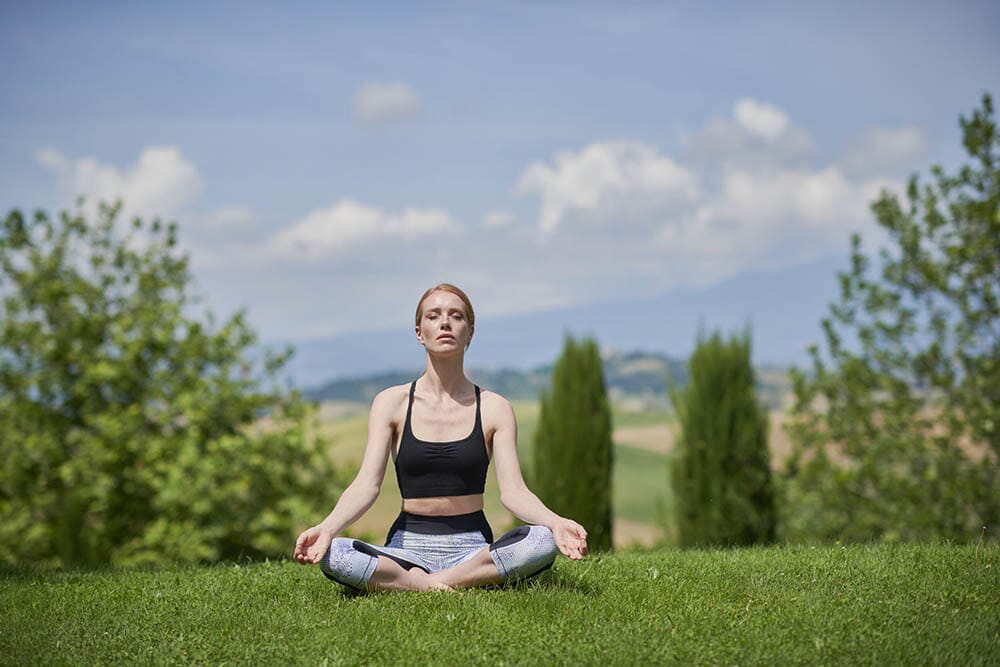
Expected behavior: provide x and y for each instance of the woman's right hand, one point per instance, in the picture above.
(312, 545)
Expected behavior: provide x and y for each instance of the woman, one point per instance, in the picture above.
(441, 539)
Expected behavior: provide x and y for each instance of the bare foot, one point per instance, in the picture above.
(421, 581)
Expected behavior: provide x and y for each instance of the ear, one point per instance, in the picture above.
(472, 332)
(420, 338)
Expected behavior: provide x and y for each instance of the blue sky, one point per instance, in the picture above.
(326, 164)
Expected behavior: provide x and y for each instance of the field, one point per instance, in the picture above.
(888, 604)
(643, 441)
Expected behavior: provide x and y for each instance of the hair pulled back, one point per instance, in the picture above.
(470, 314)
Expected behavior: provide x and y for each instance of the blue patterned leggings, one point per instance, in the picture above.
(435, 543)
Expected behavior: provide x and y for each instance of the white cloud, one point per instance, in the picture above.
(756, 133)
(606, 181)
(385, 103)
(813, 198)
(327, 232)
(498, 219)
(619, 217)
(880, 151)
(769, 219)
(747, 199)
(159, 183)
(763, 120)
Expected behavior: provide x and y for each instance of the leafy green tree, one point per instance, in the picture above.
(896, 428)
(721, 475)
(573, 447)
(129, 431)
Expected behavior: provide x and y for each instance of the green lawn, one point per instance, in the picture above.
(799, 605)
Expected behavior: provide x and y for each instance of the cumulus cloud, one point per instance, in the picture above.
(880, 151)
(606, 181)
(385, 103)
(159, 183)
(763, 120)
(327, 232)
(769, 219)
(745, 196)
(755, 133)
(745, 192)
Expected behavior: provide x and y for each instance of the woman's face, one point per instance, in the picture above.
(444, 325)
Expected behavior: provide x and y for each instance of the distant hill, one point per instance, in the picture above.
(634, 379)
(784, 308)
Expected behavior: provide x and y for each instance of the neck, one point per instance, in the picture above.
(445, 375)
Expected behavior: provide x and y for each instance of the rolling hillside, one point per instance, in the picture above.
(636, 381)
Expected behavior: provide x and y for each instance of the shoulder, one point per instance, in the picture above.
(496, 408)
(388, 402)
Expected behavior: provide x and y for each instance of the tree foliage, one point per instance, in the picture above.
(130, 431)
(896, 428)
(721, 475)
(573, 446)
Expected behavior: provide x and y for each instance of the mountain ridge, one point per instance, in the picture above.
(784, 309)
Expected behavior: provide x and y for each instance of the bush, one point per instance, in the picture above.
(896, 427)
(573, 446)
(721, 471)
(132, 432)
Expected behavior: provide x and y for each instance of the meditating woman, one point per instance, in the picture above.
(441, 431)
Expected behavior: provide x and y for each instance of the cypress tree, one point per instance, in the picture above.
(721, 471)
(573, 446)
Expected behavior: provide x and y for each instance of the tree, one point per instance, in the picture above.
(573, 447)
(132, 432)
(721, 475)
(896, 428)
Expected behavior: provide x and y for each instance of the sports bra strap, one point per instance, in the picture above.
(479, 418)
(409, 408)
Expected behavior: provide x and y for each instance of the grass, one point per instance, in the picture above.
(626, 418)
(640, 485)
(895, 604)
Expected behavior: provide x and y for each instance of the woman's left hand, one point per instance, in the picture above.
(570, 537)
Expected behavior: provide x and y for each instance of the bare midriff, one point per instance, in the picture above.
(444, 505)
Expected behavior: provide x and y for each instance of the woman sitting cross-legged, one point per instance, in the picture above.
(441, 431)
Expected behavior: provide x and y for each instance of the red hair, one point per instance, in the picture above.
(470, 314)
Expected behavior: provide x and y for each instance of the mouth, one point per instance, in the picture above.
(446, 337)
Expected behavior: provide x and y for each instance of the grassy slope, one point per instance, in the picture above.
(873, 605)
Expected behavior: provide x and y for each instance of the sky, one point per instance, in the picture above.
(327, 162)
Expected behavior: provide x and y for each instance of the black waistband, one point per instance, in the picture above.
(442, 525)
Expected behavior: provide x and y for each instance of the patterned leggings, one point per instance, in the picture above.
(435, 543)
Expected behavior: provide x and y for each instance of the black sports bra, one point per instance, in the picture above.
(427, 469)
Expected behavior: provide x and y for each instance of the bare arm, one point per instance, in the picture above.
(361, 493)
(570, 537)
